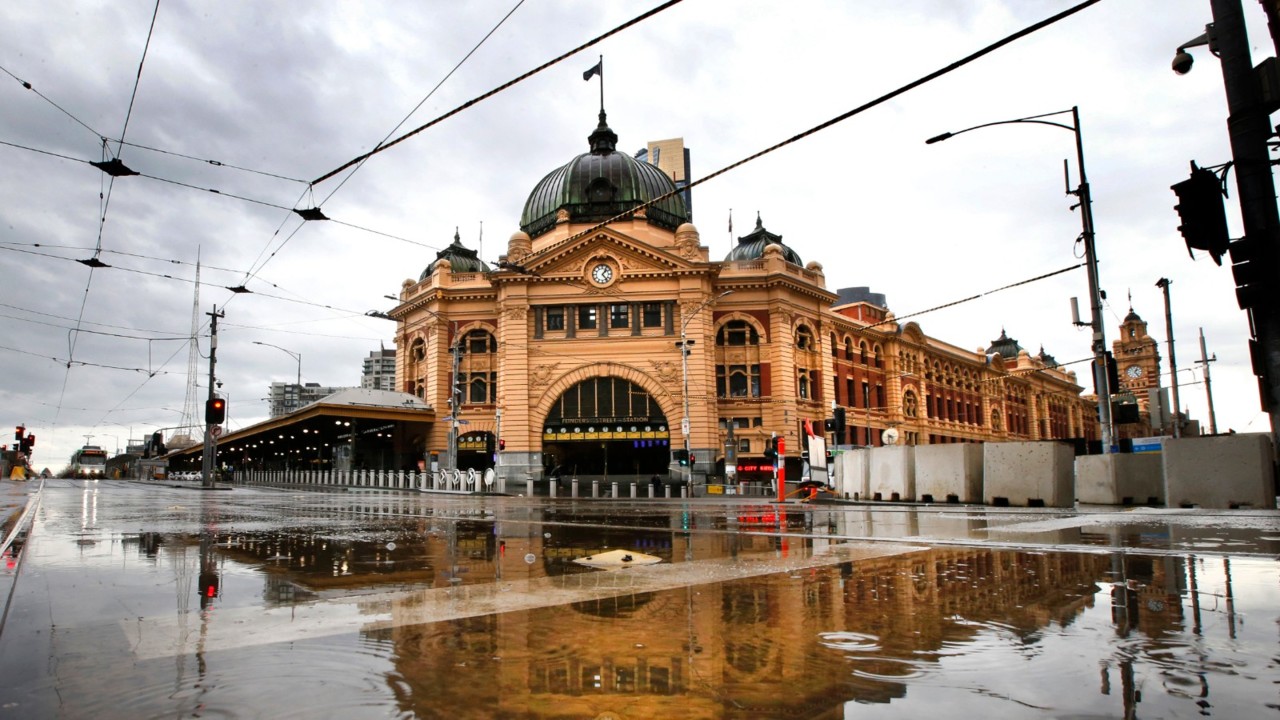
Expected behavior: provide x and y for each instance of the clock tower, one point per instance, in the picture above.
(1137, 358)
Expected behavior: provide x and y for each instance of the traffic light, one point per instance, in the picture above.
(771, 448)
(157, 443)
(215, 411)
(693, 459)
(1204, 221)
(28, 443)
(1255, 286)
(840, 423)
(209, 588)
(829, 424)
(502, 444)
(682, 457)
(19, 433)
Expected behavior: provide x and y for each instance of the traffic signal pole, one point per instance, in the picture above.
(210, 455)
(1249, 129)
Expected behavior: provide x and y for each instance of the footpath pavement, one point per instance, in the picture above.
(13, 499)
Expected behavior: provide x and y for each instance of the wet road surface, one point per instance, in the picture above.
(129, 600)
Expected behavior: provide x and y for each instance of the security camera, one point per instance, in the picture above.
(1182, 62)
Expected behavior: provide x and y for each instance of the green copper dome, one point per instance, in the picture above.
(751, 247)
(1005, 345)
(600, 185)
(461, 259)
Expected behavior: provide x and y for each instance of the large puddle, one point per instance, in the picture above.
(143, 602)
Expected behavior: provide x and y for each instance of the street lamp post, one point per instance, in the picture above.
(1091, 257)
(295, 356)
(684, 344)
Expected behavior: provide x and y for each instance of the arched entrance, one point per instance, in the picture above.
(475, 450)
(606, 427)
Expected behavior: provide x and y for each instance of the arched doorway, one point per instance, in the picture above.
(475, 450)
(606, 427)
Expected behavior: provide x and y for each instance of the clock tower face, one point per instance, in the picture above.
(602, 274)
(1134, 371)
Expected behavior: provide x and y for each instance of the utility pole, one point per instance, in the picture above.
(1163, 284)
(209, 464)
(1208, 387)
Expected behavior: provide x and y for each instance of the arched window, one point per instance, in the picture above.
(736, 381)
(862, 349)
(479, 342)
(835, 347)
(804, 338)
(418, 350)
(848, 349)
(479, 390)
(879, 356)
(737, 332)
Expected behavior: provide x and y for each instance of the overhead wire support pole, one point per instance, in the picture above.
(684, 343)
(1098, 336)
(1208, 387)
(1175, 418)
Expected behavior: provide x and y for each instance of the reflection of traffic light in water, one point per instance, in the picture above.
(209, 585)
(208, 588)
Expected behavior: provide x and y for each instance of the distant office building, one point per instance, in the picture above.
(290, 397)
(379, 372)
(672, 158)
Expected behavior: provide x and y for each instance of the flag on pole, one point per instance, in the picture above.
(597, 70)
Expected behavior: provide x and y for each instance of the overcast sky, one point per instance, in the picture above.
(291, 91)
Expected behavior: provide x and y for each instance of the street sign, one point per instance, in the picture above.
(216, 430)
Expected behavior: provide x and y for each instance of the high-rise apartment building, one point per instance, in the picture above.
(379, 371)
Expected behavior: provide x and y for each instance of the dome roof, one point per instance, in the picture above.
(1005, 345)
(751, 247)
(600, 185)
(461, 259)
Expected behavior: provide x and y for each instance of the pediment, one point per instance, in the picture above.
(626, 255)
(911, 331)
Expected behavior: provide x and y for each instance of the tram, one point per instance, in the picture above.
(89, 461)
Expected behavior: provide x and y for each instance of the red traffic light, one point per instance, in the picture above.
(502, 444)
(31, 441)
(19, 432)
(215, 411)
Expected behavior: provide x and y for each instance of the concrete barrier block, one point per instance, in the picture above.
(953, 470)
(893, 473)
(1028, 473)
(850, 478)
(1220, 471)
(1120, 479)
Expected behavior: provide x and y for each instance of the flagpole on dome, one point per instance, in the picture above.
(597, 70)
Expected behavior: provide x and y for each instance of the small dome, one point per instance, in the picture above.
(600, 185)
(461, 259)
(1047, 359)
(751, 247)
(1005, 345)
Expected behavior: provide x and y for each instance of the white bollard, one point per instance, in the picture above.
(528, 488)
(595, 488)
(614, 494)
(573, 488)
(633, 491)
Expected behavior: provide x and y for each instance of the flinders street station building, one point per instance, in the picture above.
(606, 323)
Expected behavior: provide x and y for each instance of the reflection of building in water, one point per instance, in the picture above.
(745, 649)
